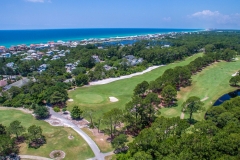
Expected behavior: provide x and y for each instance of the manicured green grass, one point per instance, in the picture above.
(211, 82)
(57, 137)
(122, 89)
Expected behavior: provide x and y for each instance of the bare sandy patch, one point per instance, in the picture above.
(57, 154)
(53, 121)
(100, 138)
(204, 99)
(234, 74)
(113, 99)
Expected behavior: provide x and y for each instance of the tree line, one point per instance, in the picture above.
(15, 134)
(148, 98)
(49, 86)
(216, 137)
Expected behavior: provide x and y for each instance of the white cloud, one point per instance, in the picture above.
(167, 19)
(206, 13)
(38, 1)
(215, 17)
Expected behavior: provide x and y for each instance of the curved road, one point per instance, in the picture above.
(91, 143)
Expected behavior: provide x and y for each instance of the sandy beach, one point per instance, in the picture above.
(109, 80)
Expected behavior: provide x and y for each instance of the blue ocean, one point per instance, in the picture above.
(15, 37)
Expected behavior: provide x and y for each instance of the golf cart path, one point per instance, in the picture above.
(30, 157)
(91, 143)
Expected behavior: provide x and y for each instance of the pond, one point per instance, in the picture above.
(226, 97)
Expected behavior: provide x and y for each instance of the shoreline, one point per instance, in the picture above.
(88, 37)
(110, 80)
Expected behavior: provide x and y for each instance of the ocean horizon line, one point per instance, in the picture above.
(99, 28)
(16, 37)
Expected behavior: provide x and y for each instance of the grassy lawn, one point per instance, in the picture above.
(111, 157)
(211, 82)
(97, 97)
(101, 141)
(57, 137)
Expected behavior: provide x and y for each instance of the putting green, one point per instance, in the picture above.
(89, 98)
(97, 97)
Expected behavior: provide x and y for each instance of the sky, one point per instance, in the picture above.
(53, 14)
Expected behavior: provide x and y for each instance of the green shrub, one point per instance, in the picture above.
(64, 109)
(56, 109)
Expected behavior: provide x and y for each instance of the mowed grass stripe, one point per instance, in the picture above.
(211, 82)
(122, 89)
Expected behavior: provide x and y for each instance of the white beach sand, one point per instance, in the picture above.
(113, 99)
(109, 80)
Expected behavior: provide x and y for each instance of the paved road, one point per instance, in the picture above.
(91, 143)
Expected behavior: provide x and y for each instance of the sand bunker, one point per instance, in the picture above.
(70, 100)
(113, 99)
(109, 80)
(234, 74)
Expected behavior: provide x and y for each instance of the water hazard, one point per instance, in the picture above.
(226, 97)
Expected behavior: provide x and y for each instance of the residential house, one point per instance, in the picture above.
(61, 55)
(22, 47)
(43, 67)
(2, 49)
(96, 59)
(3, 83)
(49, 53)
(67, 51)
(55, 57)
(42, 46)
(107, 67)
(13, 48)
(71, 66)
(10, 65)
(6, 55)
(165, 46)
(51, 44)
(74, 44)
(34, 56)
(132, 60)
(40, 54)
(18, 84)
(31, 51)
(27, 58)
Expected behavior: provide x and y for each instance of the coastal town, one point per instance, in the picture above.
(49, 52)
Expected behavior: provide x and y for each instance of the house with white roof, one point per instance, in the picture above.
(55, 57)
(96, 58)
(10, 65)
(132, 60)
(6, 55)
(43, 67)
(2, 49)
